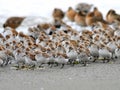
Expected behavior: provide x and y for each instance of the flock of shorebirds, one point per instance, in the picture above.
(58, 44)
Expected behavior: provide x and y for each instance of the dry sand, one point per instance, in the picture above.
(97, 76)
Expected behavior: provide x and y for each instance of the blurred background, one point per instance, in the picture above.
(44, 7)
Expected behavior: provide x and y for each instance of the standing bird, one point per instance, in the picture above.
(105, 53)
(13, 22)
(19, 58)
(83, 56)
(1, 62)
(94, 51)
(113, 46)
(117, 52)
(41, 58)
(93, 17)
(112, 16)
(58, 14)
(80, 18)
(61, 59)
(71, 13)
(90, 19)
(30, 60)
(97, 13)
(84, 7)
(72, 55)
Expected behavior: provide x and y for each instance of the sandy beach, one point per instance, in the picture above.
(99, 76)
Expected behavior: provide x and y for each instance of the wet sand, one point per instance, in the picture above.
(96, 76)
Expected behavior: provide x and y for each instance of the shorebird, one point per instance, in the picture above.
(57, 23)
(19, 58)
(30, 60)
(94, 17)
(51, 59)
(104, 52)
(112, 16)
(3, 56)
(97, 14)
(66, 45)
(84, 7)
(109, 16)
(117, 52)
(41, 42)
(1, 62)
(7, 31)
(117, 40)
(117, 33)
(34, 32)
(2, 39)
(61, 59)
(41, 58)
(72, 55)
(80, 18)
(94, 51)
(13, 22)
(58, 14)
(60, 49)
(113, 46)
(83, 56)
(10, 56)
(75, 36)
(71, 13)
(90, 19)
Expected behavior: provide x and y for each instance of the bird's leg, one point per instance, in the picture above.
(50, 64)
(56, 64)
(62, 66)
(84, 63)
(94, 60)
(32, 67)
(73, 63)
(40, 66)
(103, 60)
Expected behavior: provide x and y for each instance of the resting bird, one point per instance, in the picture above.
(112, 16)
(58, 14)
(84, 7)
(92, 18)
(71, 13)
(97, 13)
(80, 18)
